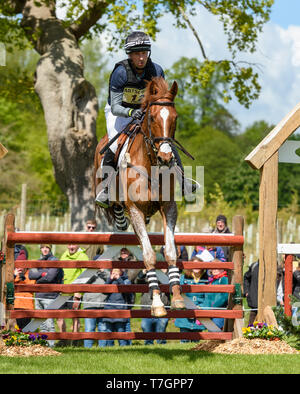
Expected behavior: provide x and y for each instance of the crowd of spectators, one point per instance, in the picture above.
(126, 300)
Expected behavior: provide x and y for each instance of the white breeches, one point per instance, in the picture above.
(114, 124)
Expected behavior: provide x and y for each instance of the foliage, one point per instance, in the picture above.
(20, 338)
(262, 331)
(198, 104)
(242, 21)
(214, 150)
(23, 129)
(285, 322)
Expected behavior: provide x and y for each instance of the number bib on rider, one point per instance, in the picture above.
(133, 95)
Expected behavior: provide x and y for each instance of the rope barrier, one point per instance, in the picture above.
(116, 304)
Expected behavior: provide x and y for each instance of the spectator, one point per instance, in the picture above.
(215, 251)
(23, 300)
(153, 324)
(20, 249)
(251, 289)
(93, 251)
(221, 227)
(46, 276)
(181, 251)
(280, 286)
(95, 301)
(217, 300)
(117, 301)
(296, 282)
(195, 276)
(296, 288)
(73, 252)
(126, 255)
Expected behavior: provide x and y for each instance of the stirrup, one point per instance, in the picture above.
(103, 203)
(190, 186)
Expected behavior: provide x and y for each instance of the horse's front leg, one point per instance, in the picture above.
(138, 223)
(169, 215)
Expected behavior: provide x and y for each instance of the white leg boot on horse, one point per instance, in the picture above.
(169, 215)
(174, 281)
(157, 307)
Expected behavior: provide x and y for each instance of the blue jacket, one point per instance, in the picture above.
(47, 276)
(197, 298)
(217, 252)
(121, 299)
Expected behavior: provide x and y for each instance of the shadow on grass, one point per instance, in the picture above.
(166, 352)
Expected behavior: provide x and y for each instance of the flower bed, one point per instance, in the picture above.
(20, 338)
(18, 343)
(262, 331)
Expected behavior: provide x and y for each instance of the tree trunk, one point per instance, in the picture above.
(70, 107)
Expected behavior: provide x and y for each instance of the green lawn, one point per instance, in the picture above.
(173, 358)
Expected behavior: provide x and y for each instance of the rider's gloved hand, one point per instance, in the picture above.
(136, 113)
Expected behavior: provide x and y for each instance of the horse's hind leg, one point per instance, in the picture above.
(169, 215)
(138, 223)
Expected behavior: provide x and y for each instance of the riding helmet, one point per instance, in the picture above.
(137, 41)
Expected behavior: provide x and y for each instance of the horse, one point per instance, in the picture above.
(150, 146)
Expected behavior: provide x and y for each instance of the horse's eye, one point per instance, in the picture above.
(151, 118)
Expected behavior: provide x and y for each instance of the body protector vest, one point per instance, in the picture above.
(134, 88)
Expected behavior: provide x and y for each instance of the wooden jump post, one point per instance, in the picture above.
(265, 159)
(233, 315)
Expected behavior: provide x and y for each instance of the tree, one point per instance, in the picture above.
(69, 100)
(198, 104)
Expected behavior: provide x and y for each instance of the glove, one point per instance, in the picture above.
(136, 113)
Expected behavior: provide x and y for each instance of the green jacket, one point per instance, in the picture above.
(216, 300)
(70, 274)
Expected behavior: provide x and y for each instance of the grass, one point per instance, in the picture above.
(173, 358)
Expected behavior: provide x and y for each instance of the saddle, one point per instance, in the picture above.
(128, 133)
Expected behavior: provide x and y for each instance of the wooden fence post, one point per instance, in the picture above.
(268, 203)
(8, 273)
(23, 207)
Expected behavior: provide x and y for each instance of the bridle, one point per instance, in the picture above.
(150, 140)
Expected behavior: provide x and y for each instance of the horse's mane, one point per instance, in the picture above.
(156, 88)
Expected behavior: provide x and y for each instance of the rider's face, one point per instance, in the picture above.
(139, 59)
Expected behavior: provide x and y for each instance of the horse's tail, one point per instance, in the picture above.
(114, 215)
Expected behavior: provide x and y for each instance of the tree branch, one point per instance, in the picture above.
(185, 17)
(89, 18)
(13, 7)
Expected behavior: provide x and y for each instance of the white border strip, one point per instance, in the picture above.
(288, 248)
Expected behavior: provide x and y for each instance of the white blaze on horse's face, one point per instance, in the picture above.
(164, 113)
(165, 147)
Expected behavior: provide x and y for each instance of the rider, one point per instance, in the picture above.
(127, 85)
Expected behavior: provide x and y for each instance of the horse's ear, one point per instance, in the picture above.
(174, 89)
(152, 88)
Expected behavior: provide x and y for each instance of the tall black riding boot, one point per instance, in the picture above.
(188, 186)
(102, 198)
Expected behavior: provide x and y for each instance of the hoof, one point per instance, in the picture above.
(178, 304)
(158, 311)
